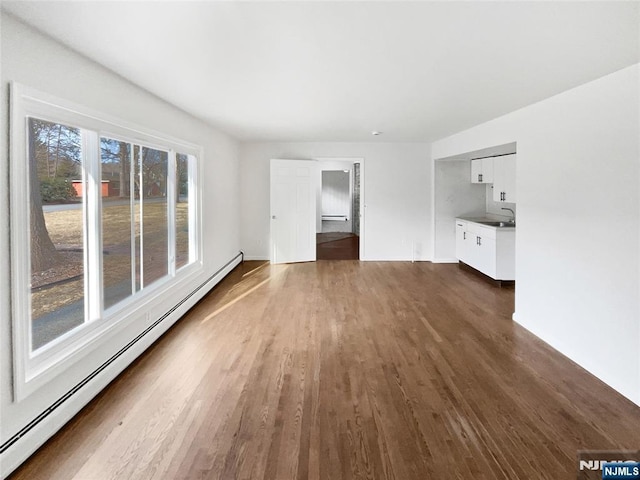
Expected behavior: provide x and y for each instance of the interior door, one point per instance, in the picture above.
(293, 210)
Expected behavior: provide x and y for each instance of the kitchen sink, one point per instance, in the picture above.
(498, 224)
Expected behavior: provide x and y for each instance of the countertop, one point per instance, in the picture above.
(490, 222)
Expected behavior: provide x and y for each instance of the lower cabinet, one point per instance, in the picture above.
(491, 250)
(483, 252)
(463, 250)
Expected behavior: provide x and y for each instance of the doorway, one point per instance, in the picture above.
(297, 215)
(338, 236)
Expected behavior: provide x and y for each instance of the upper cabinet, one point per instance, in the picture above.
(482, 170)
(504, 178)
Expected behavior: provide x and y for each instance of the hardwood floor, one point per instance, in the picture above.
(341, 370)
(337, 246)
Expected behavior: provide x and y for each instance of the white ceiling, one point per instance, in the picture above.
(335, 71)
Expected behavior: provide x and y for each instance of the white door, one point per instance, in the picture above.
(293, 210)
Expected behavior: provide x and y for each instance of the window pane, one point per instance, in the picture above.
(56, 230)
(182, 209)
(155, 228)
(137, 216)
(116, 220)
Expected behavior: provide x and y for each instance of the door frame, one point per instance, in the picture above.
(363, 205)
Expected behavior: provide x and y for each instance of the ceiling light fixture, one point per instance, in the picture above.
(375, 133)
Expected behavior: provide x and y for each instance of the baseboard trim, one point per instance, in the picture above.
(256, 257)
(444, 260)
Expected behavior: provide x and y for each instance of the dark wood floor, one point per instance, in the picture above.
(341, 370)
(337, 246)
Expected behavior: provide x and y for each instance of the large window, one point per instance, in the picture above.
(100, 221)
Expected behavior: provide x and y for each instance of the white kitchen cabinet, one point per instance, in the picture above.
(482, 170)
(504, 179)
(490, 250)
(481, 249)
(461, 240)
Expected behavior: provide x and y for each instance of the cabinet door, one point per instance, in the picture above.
(487, 170)
(482, 170)
(461, 241)
(476, 171)
(504, 179)
(485, 255)
(509, 180)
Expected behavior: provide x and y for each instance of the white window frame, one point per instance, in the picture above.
(33, 369)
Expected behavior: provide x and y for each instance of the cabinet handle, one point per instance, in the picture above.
(479, 177)
(479, 240)
(464, 235)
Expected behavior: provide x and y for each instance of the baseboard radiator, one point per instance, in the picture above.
(335, 218)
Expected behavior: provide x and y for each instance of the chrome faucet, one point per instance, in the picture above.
(513, 220)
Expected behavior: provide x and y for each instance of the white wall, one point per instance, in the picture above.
(397, 182)
(578, 234)
(336, 199)
(454, 196)
(38, 62)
